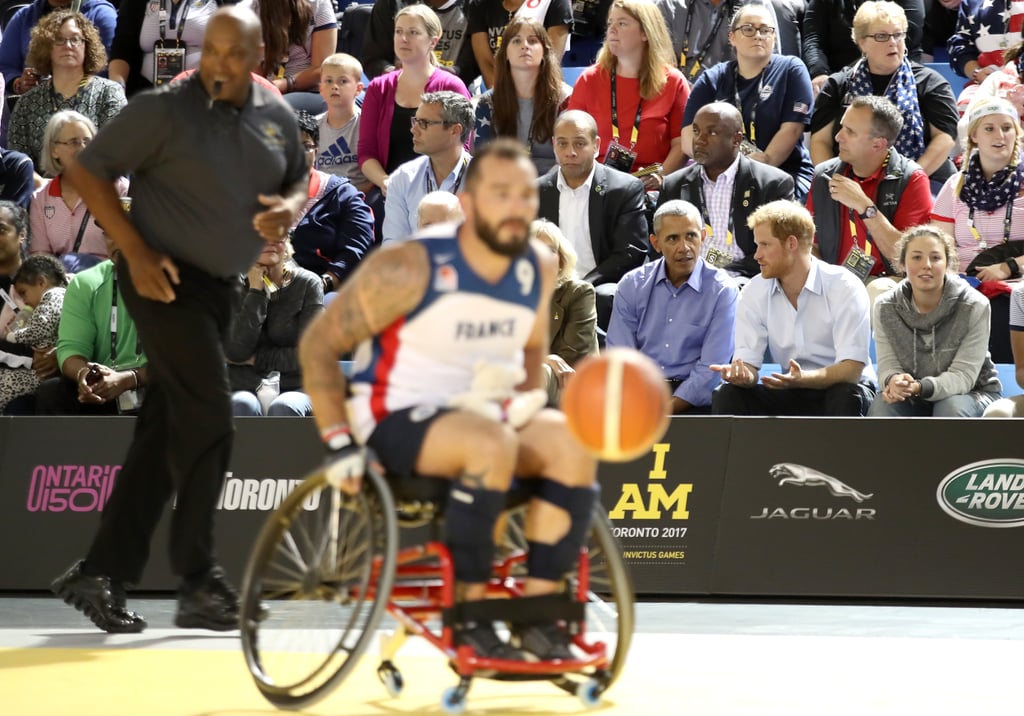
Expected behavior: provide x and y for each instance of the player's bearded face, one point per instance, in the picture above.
(508, 238)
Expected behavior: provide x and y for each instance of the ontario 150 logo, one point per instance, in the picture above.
(989, 493)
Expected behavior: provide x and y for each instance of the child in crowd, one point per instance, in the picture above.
(439, 207)
(340, 82)
(40, 282)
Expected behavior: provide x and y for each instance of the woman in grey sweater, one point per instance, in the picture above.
(931, 336)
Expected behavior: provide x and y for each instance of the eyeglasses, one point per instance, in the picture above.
(426, 124)
(886, 36)
(73, 42)
(749, 30)
(77, 143)
(309, 147)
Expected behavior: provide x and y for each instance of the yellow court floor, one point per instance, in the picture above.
(687, 659)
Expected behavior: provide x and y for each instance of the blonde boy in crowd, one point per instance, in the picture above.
(340, 82)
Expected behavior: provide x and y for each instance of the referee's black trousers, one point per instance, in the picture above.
(183, 433)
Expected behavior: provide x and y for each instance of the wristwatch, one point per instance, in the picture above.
(869, 213)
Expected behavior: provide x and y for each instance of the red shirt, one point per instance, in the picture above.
(661, 118)
(914, 208)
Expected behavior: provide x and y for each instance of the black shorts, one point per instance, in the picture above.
(399, 437)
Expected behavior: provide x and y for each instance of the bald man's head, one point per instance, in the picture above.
(717, 131)
(729, 117)
(578, 119)
(232, 50)
(576, 145)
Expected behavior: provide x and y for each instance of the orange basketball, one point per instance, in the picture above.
(617, 405)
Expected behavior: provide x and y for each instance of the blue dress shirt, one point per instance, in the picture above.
(684, 330)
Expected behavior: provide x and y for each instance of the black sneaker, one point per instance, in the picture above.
(209, 603)
(547, 641)
(99, 598)
(485, 642)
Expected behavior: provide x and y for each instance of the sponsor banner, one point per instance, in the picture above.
(664, 506)
(773, 507)
(58, 474)
(872, 508)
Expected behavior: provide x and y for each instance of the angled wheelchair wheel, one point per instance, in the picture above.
(316, 587)
(610, 598)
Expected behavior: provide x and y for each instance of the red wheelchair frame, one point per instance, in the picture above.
(352, 568)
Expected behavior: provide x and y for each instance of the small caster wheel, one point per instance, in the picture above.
(391, 677)
(589, 693)
(453, 700)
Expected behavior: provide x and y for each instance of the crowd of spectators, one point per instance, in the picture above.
(673, 173)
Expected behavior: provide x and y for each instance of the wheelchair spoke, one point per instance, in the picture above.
(315, 570)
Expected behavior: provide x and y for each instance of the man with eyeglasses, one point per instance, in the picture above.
(440, 131)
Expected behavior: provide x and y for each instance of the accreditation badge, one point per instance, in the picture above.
(718, 259)
(168, 63)
(859, 263)
(620, 157)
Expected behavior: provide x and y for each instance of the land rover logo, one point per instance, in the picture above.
(989, 493)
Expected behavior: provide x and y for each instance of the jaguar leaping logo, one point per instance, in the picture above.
(789, 473)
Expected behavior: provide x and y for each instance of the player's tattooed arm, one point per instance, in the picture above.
(387, 285)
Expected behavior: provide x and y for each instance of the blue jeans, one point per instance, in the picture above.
(970, 405)
(289, 404)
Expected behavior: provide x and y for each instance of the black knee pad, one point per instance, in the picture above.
(552, 561)
(469, 521)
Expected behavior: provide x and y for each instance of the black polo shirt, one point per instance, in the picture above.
(196, 169)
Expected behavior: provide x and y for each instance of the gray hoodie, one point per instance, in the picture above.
(946, 349)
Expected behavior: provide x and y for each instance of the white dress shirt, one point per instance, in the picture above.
(574, 220)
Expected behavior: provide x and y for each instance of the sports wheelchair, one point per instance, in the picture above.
(327, 566)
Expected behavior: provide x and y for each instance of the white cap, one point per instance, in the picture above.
(992, 105)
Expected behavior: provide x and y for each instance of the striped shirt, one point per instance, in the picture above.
(988, 223)
(718, 195)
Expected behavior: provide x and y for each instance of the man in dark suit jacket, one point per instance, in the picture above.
(599, 209)
(726, 187)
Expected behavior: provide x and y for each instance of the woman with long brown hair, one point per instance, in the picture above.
(635, 93)
(298, 35)
(528, 92)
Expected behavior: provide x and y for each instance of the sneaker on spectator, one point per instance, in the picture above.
(99, 598)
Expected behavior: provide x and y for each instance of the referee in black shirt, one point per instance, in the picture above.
(216, 169)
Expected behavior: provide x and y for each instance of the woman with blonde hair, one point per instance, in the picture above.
(385, 136)
(528, 92)
(931, 336)
(922, 95)
(59, 221)
(573, 312)
(982, 206)
(635, 93)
